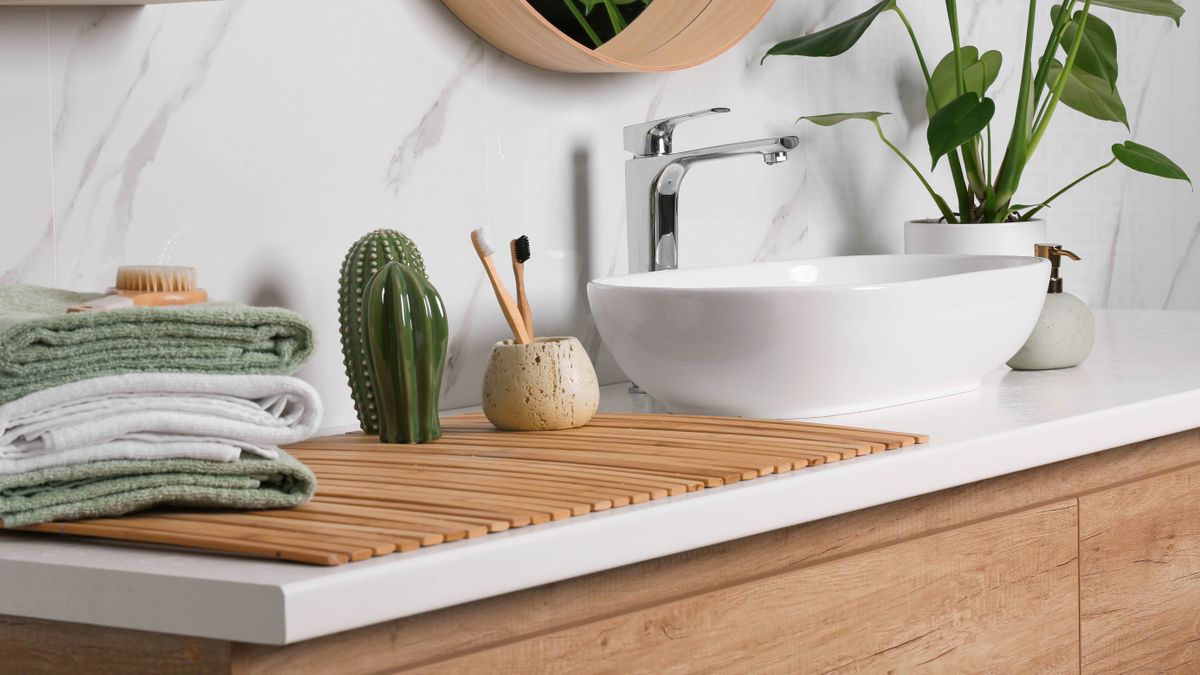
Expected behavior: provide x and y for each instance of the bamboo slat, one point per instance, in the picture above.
(375, 499)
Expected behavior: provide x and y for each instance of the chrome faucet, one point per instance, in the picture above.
(653, 178)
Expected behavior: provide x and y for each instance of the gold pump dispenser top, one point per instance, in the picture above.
(1053, 253)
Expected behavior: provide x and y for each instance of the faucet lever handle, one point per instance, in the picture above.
(654, 138)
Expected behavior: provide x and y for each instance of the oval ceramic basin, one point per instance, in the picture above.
(822, 336)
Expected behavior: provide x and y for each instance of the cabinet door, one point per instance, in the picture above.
(994, 596)
(1140, 575)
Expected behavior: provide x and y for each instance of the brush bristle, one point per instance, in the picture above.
(483, 243)
(156, 278)
(521, 249)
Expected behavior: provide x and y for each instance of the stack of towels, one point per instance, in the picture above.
(105, 413)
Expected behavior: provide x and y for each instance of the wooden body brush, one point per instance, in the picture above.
(148, 286)
(483, 247)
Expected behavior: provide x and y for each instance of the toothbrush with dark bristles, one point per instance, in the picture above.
(483, 247)
(519, 248)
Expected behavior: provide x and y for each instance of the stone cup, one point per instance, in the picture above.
(543, 386)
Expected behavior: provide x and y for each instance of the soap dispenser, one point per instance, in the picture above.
(1066, 329)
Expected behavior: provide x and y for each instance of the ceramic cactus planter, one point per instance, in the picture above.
(404, 324)
(363, 260)
(543, 386)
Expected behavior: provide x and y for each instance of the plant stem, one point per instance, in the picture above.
(920, 57)
(970, 158)
(614, 17)
(1056, 34)
(1061, 83)
(1041, 112)
(960, 183)
(587, 27)
(960, 78)
(1015, 155)
(941, 203)
(989, 154)
(1029, 214)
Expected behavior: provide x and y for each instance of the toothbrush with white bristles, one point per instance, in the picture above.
(483, 246)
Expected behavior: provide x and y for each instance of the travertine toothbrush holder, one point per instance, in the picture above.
(543, 386)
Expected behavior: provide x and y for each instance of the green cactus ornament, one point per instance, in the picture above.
(364, 259)
(405, 325)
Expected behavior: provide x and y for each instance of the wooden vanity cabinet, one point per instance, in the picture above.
(1000, 592)
(1139, 576)
(1089, 565)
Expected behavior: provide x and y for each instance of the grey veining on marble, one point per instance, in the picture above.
(257, 139)
(429, 130)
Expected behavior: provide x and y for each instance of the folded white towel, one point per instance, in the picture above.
(156, 415)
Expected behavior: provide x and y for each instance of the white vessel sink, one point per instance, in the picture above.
(822, 336)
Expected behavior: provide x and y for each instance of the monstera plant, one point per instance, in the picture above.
(580, 20)
(1077, 67)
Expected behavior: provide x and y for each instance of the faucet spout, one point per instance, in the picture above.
(762, 146)
(652, 184)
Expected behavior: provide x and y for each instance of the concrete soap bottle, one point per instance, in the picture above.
(1066, 329)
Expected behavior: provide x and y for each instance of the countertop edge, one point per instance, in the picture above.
(635, 534)
(217, 609)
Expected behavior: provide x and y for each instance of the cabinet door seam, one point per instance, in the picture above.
(1079, 584)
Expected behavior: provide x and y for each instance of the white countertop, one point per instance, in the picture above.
(1142, 381)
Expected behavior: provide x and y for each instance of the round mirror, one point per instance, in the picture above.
(666, 34)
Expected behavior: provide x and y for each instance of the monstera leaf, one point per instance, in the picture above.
(1097, 48)
(833, 40)
(1140, 158)
(958, 122)
(978, 71)
(831, 119)
(1165, 8)
(1089, 94)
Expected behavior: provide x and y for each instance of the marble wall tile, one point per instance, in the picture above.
(257, 139)
(26, 179)
(260, 162)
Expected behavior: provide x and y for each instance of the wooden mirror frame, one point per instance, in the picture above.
(668, 35)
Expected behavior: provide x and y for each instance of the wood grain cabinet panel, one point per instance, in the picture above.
(994, 596)
(33, 647)
(1140, 576)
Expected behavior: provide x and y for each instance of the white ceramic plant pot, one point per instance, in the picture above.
(931, 236)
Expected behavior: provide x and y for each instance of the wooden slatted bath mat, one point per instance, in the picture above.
(375, 499)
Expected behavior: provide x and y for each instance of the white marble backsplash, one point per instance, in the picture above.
(256, 139)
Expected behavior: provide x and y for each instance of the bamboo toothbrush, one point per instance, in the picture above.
(519, 248)
(483, 246)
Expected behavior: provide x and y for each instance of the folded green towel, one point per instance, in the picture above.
(42, 346)
(113, 488)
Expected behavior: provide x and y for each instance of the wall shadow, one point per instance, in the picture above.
(581, 220)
